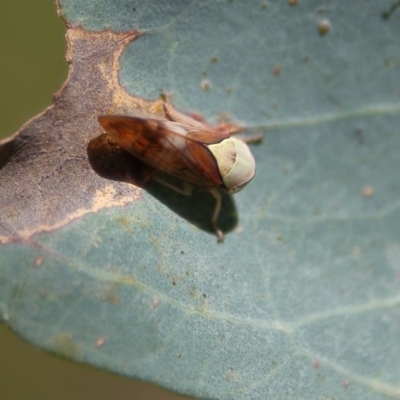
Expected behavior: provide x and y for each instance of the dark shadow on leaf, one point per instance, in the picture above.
(6, 151)
(112, 162)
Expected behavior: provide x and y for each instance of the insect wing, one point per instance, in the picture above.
(167, 146)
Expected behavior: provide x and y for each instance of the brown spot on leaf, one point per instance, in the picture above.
(46, 177)
(324, 26)
(38, 261)
(239, 230)
(277, 70)
(205, 85)
(100, 341)
(368, 190)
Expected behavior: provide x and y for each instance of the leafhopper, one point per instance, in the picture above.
(189, 149)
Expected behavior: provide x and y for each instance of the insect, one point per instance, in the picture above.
(189, 149)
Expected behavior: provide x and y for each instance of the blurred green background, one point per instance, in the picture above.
(32, 65)
(32, 68)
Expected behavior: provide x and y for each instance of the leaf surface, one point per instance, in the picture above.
(303, 298)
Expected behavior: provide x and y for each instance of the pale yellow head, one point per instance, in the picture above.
(235, 163)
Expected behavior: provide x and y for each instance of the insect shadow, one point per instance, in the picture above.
(112, 162)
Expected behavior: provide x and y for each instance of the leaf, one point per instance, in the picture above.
(302, 301)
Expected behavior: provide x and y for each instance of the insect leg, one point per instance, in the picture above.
(254, 138)
(229, 128)
(217, 195)
(186, 190)
(174, 115)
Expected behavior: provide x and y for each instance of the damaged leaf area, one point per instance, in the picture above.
(302, 299)
(46, 176)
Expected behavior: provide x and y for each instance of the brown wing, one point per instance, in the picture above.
(168, 146)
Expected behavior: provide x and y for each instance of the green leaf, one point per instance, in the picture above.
(303, 298)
